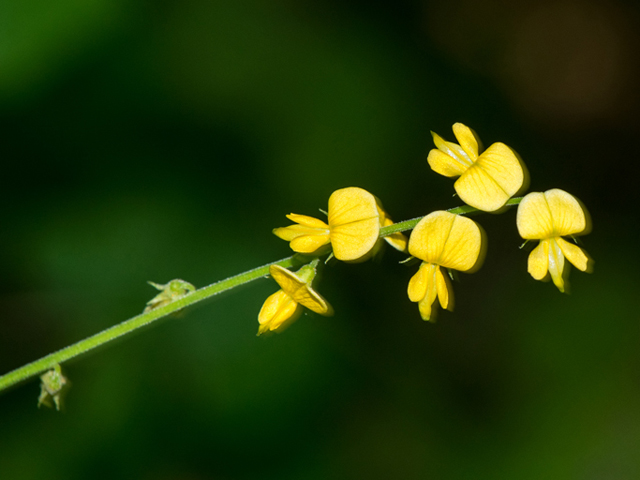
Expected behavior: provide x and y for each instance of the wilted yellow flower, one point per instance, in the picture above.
(286, 305)
(352, 231)
(548, 217)
(442, 239)
(486, 181)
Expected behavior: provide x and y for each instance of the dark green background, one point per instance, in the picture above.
(149, 140)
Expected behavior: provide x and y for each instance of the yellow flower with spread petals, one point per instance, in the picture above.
(296, 292)
(486, 181)
(352, 229)
(548, 217)
(442, 240)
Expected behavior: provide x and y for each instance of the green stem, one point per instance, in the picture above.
(48, 362)
(410, 224)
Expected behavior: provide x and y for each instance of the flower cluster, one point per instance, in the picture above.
(488, 181)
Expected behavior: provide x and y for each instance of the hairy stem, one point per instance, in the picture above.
(48, 362)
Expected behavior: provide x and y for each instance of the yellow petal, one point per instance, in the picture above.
(306, 236)
(295, 231)
(503, 166)
(534, 219)
(467, 140)
(453, 150)
(311, 299)
(418, 283)
(444, 290)
(396, 240)
(426, 304)
(281, 322)
(446, 239)
(354, 223)
(309, 243)
(495, 177)
(445, 165)
(476, 188)
(567, 213)
(556, 264)
(428, 238)
(553, 213)
(299, 290)
(288, 281)
(310, 222)
(289, 233)
(423, 289)
(351, 204)
(277, 309)
(575, 255)
(539, 261)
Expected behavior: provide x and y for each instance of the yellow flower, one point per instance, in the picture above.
(486, 181)
(352, 231)
(548, 217)
(286, 305)
(442, 239)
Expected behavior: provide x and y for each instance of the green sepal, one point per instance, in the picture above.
(53, 385)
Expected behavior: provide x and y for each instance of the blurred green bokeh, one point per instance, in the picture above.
(157, 140)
